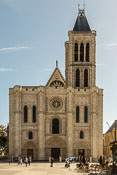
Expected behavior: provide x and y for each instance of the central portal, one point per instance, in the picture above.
(55, 153)
(30, 153)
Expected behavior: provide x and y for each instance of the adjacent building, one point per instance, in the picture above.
(64, 117)
(109, 137)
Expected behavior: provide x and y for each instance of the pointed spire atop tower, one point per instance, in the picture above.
(56, 63)
(81, 21)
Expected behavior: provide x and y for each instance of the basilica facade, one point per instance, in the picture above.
(64, 117)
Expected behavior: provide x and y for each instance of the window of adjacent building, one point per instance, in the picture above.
(85, 78)
(30, 135)
(34, 114)
(77, 115)
(76, 52)
(87, 52)
(77, 78)
(85, 114)
(81, 135)
(25, 114)
(55, 126)
(82, 52)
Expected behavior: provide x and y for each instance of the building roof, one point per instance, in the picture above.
(114, 125)
(56, 76)
(81, 22)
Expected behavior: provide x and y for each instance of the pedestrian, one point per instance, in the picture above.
(20, 161)
(29, 161)
(52, 161)
(26, 161)
(9, 161)
(100, 160)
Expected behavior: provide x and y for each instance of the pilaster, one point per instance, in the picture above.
(41, 125)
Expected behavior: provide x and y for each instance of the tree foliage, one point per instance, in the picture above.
(3, 138)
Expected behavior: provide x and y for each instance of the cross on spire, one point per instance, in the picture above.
(56, 63)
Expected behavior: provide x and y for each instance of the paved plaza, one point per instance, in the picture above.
(38, 169)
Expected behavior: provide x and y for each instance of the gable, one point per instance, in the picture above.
(56, 79)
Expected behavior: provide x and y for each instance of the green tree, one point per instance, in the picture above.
(3, 138)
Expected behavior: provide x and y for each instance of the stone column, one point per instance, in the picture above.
(94, 127)
(100, 120)
(81, 114)
(69, 123)
(70, 69)
(63, 126)
(17, 116)
(85, 52)
(47, 126)
(78, 51)
(29, 113)
(41, 125)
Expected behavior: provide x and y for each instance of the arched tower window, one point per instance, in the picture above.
(76, 52)
(77, 115)
(81, 135)
(34, 114)
(85, 114)
(85, 78)
(30, 135)
(25, 114)
(87, 52)
(55, 126)
(82, 52)
(77, 78)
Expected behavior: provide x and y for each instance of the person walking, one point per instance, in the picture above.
(29, 161)
(20, 161)
(26, 161)
(52, 161)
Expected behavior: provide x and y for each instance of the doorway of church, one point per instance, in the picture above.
(30, 153)
(55, 153)
(81, 154)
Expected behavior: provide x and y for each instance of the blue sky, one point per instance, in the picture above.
(32, 36)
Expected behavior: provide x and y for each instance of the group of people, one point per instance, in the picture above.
(26, 160)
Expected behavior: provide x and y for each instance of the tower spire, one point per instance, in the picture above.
(81, 23)
(84, 5)
(56, 63)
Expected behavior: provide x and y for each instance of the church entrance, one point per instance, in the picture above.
(55, 153)
(81, 154)
(30, 153)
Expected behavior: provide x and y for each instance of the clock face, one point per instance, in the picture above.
(56, 103)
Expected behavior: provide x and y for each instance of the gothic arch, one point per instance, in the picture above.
(55, 126)
(86, 77)
(77, 78)
(76, 52)
(29, 145)
(87, 52)
(81, 145)
(55, 142)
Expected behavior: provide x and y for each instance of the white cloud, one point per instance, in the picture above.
(112, 44)
(101, 65)
(14, 48)
(7, 70)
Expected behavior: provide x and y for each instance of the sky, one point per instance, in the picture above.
(32, 37)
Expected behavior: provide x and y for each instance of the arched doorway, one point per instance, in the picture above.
(56, 147)
(82, 149)
(29, 150)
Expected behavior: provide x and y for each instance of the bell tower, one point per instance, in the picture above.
(80, 54)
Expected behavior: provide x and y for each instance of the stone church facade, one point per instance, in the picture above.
(65, 117)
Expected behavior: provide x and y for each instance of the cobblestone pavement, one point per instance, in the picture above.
(38, 169)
